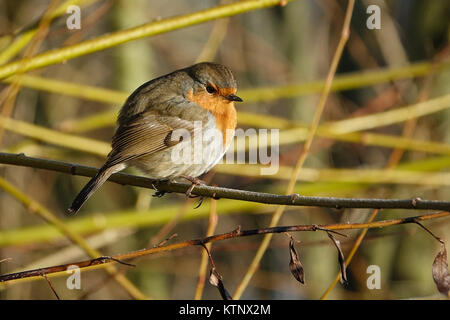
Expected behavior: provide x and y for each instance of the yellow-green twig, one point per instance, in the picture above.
(212, 223)
(341, 82)
(120, 37)
(392, 116)
(55, 137)
(315, 123)
(363, 176)
(287, 136)
(24, 38)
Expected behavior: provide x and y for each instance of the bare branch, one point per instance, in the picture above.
(218, 192)
(220, 237)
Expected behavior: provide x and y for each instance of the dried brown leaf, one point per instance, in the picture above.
(441, 276)
(295, 265)
(341, 258)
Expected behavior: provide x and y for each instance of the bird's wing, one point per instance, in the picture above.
(147, 133)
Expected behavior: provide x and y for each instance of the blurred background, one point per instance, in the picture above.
(279, 56)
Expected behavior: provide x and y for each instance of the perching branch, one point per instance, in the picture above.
(121, 258)
(227, 193)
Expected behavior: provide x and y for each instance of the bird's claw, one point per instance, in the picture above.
(158, 193)
(194, 182)
(200, 201)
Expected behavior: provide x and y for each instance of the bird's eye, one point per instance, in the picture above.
(210, 89)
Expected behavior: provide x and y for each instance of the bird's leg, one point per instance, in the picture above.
(194, 182)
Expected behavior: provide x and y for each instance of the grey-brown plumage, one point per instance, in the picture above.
(154, 112)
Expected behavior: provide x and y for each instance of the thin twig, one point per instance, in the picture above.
(343, 81)
(429, 231)
(306, 147)
(48, 216)
(392, 162)
(212, 223)
(35, 43)
(116, 38)
(51, 286)
(237, 233)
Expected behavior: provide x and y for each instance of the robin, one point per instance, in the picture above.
(158, 120)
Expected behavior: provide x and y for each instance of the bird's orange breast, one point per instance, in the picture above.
(222, 109)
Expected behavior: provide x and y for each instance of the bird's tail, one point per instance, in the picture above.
(103, 174)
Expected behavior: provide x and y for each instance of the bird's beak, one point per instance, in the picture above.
(233, 97)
